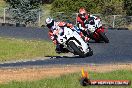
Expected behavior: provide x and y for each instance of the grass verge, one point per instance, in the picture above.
(17, 49)
(72, 81)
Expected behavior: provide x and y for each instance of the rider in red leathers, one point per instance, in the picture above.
(81, 20)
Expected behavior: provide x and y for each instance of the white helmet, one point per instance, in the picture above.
(49, 22)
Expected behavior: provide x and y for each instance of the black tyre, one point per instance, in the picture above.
(76, 49)
(104, 37)
(90, 53)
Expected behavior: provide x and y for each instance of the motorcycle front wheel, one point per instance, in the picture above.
(76, 49)
(90, 53)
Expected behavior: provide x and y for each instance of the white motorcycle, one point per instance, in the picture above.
(73, 42)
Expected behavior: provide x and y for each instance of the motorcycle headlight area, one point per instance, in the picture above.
(92, 29)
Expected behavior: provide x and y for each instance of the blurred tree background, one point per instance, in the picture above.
(24, 11)
(106, 7)
(102, 8)
(27, 11)
(128, 7)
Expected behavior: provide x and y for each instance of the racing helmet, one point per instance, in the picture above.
(49, 22)
(82, 13)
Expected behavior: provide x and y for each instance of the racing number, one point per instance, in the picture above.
(61, 40)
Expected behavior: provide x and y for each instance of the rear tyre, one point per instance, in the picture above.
(76, 49)
(104, 37)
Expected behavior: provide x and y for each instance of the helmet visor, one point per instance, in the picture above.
(51, 24)
(83, 15)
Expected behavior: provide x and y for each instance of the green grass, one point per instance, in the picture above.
(17, 49)
(72, 81)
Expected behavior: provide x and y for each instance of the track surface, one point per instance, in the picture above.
(24, 33)
(119, 50)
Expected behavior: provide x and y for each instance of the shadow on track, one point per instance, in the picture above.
(92, 41)
(63, 56)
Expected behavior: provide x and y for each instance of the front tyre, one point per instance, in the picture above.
(90, 53)
(76, 49)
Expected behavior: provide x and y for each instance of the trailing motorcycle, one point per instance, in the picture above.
(72, 41)
(95, 31)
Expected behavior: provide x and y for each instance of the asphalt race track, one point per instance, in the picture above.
(119, 50)
(24, 33)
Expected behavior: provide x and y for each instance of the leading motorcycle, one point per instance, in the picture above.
(72, 41)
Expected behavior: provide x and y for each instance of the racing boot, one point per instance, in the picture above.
(60, 49)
